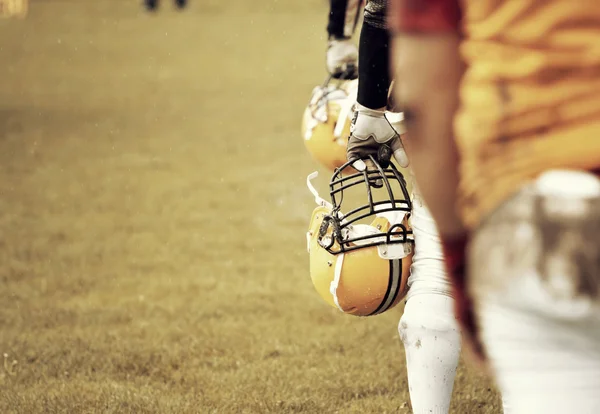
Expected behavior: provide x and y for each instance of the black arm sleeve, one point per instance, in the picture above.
(343, 17)
(373, 66)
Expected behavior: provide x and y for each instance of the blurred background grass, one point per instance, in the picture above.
(152, 219)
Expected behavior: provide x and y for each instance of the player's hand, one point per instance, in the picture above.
(342, 59)
(372, 134)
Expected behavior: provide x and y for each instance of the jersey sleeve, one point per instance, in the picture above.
(424, 15)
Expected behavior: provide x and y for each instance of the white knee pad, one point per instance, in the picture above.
(431, 338)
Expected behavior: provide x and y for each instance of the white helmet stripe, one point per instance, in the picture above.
(337, 274)
(393, 286)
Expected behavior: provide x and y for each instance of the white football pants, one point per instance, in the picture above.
(428, 329)
(534, 274)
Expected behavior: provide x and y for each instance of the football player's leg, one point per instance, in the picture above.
(428, 329)
(535, 278)
(432, 346)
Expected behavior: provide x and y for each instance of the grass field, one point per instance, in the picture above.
(152, 219)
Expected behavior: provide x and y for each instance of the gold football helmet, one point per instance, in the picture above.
(360, 258)
(326, 121)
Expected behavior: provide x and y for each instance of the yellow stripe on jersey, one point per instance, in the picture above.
(530, 99)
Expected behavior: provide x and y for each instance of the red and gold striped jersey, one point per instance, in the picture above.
(530, 96)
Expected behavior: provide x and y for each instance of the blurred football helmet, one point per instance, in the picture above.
(326, 121)
(360, 258)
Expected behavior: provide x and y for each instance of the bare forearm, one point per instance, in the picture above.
(343, 17)
(428, 70)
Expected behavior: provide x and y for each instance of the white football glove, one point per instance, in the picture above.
(372, 134)
(342, 59)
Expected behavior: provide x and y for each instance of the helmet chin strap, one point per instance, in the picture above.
(314, 191)
(336, 280)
